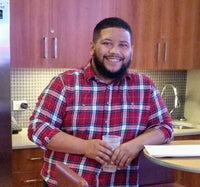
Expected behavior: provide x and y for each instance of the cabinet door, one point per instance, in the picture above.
(144, 18)
(26, 167)
(29, 27)
(73, 22)
(180, 25)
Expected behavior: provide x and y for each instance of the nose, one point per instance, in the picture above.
(114, 49)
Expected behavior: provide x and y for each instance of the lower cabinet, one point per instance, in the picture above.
(26, 167)
(188, 179)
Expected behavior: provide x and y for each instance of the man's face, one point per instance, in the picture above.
(112, 52)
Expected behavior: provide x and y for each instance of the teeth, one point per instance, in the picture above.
(113, 59)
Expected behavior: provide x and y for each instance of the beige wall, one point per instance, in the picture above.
(192, 102)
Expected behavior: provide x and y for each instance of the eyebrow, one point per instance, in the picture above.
(122, 41)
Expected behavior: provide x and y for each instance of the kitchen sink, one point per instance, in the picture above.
(182, 127)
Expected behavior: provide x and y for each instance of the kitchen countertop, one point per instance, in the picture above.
(21, 141)
(193, 130)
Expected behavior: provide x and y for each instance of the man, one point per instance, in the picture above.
(78, 107)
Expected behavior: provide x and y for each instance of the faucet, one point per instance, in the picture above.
(177, 103)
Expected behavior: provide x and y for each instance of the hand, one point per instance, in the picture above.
(98, 150)
(124, 154)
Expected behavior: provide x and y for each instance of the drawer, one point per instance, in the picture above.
(27, 159)
(27, 179)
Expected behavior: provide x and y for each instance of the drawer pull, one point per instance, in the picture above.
(158, 52)
(45, 47)
(33, 180)
(165, 52)
(55, 48)
(36, 158)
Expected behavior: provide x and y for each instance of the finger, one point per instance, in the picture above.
(100, 160)
(128, 161)
(106, 148)
(104, 157)
(124, 162)
(116, 155)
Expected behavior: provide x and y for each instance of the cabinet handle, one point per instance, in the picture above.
(32, 159)
(165, 57)
(158, 52)
(45, 47)
(55, 48)
(33, 180)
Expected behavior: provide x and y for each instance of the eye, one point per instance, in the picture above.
(123, 45)
(106, 43)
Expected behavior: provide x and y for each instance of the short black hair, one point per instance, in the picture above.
(111, 22)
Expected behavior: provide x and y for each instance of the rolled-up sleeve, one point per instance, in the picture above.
(46, 120)
(159, 117)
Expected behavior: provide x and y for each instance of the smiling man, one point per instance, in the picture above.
(78, 107)
(112, 53)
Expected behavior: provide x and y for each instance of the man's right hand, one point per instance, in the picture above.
(98, 150)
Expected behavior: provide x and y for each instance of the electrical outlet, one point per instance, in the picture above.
(17, 105)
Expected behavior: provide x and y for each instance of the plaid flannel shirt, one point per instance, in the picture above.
(77, 103)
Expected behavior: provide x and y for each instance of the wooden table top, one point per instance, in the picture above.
(190, 164)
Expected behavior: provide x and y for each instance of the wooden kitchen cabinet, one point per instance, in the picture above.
(54, 34)
(73, 22)
(26, 167)
(180, 37)
(144, 18)
(28, 31)
(57, 34)
(167, 35)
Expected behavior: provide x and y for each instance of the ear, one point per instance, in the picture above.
(92, 48)
(132, 51)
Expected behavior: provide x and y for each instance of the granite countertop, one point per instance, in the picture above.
(21, 141)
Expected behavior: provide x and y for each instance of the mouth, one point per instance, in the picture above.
(114, 59)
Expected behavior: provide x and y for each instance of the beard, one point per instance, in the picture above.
(103, 71)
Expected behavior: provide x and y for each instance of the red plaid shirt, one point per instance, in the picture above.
(77, 103)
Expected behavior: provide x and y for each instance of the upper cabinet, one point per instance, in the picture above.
(29, 32)
(144, 17)
(166, 34)
(54, 33)
(57, 33)
(180, 35)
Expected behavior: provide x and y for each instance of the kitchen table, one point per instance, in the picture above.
(189, 164)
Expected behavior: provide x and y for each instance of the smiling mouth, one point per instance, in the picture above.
(114, 59)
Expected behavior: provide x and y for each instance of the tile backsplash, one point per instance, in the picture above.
(27, 84)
